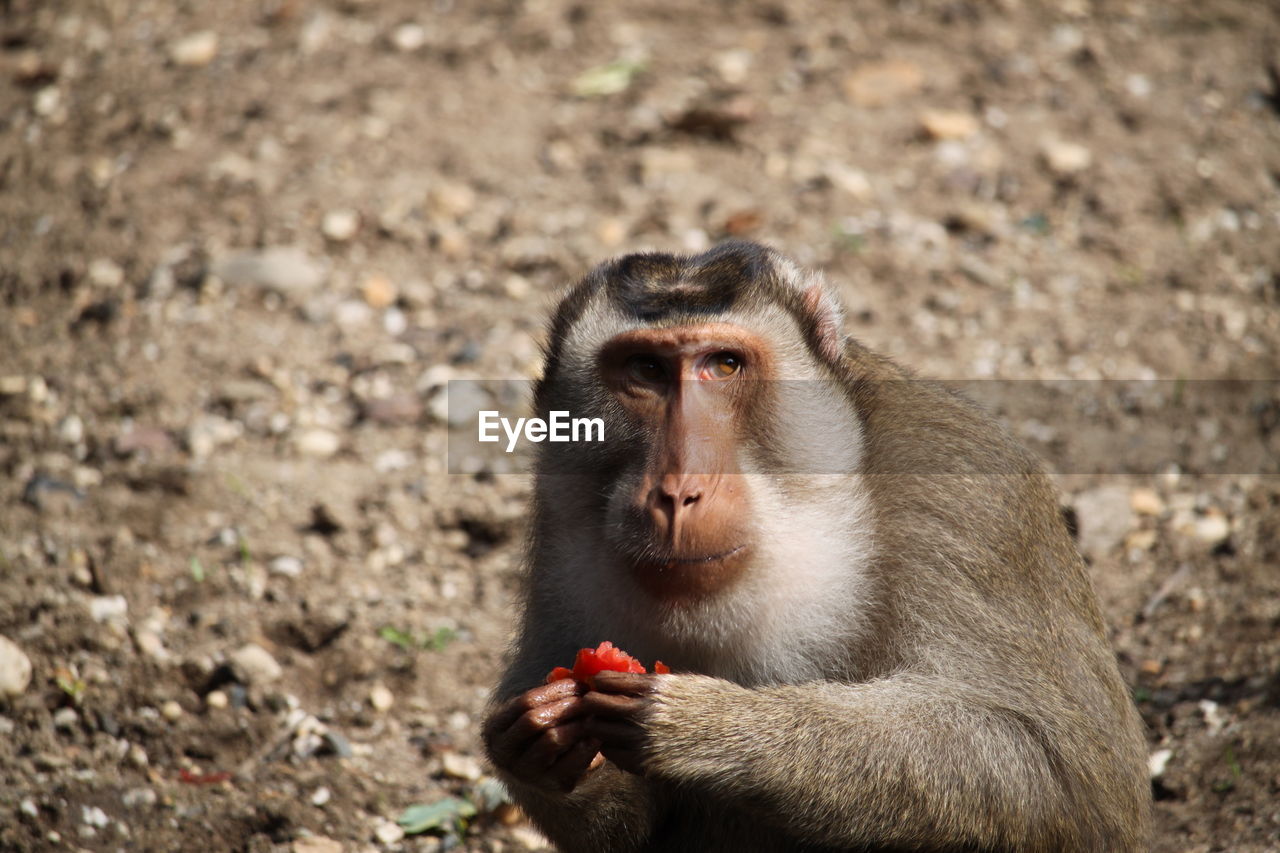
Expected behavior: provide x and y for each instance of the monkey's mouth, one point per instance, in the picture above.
(674, 576)
(674, 561)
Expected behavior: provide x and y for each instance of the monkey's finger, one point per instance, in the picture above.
(610, 707)
(539, 696)
(625, 683)
(536, 762)
(532, 725)
(576, 763)
(616, 735)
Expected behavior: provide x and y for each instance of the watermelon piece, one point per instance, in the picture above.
(559, 673)
(604, 657)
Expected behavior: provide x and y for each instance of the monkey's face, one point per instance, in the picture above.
(724, 498)
(680, 513)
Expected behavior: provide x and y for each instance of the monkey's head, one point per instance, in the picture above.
(728, 447)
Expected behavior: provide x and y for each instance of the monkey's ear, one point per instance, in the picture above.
(823, 310)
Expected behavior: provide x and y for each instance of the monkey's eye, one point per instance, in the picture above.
(722, 365)
(646, 368)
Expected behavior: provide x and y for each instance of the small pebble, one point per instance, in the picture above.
(1213, 716)
(150, 644)
(516, 286)
(408, 37)
(286, 565)
(844, 178)
(1146, 502)
(316, 844)
(948, 124)
(216, 700)
(104, 608)
(529, 838)
(1105, 518)
(94, 816)
(1158, 762)
(1212, 528)
(1138, 85)
(453, 243)
(29, 808)
(105, 272)
(340, 225)
(351, 312)
(195, 50)
(48, 100)
(394, 323)
(1140, 540)
(1067, 38)
(287, 269)
(378, 291)
(321, 443)
(1065, 159)
(171, 711)
(66, 718)
(138, 756)
(1196, 599)
(381, 698)
(139, 798)
(611, 231)
(209, 432)
(733, 66)
(388, 832)
(321, 796)
(15, 669)
(879, 84)
(453, 200)
(253, 664)
(392, 460)
(337, 744)
(461, 766)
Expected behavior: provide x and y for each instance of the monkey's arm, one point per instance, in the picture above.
(901, 761)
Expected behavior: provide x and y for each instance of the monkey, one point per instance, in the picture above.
(881, 635)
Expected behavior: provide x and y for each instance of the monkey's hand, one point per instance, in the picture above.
(617, 708)
(540, 737)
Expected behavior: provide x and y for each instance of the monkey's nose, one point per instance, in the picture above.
(673, 499)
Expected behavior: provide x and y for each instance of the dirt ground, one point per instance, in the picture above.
(244, 244)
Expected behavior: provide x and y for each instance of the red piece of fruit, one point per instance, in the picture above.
(604, 657)
(559, 673)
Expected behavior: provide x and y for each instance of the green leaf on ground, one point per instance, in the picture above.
(444, 814)
(606, 79)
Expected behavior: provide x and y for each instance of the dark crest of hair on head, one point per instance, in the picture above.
(661, 288)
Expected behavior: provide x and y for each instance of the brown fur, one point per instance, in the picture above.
(978, 708)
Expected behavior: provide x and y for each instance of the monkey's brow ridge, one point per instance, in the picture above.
(652, 286)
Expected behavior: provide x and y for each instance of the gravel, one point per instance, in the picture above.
(285, 269)
(253, 665)
(15, 669)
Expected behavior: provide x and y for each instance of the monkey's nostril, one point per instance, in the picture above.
(691, 499)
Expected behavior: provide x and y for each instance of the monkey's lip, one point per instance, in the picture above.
(672, 562)
(682, 578)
